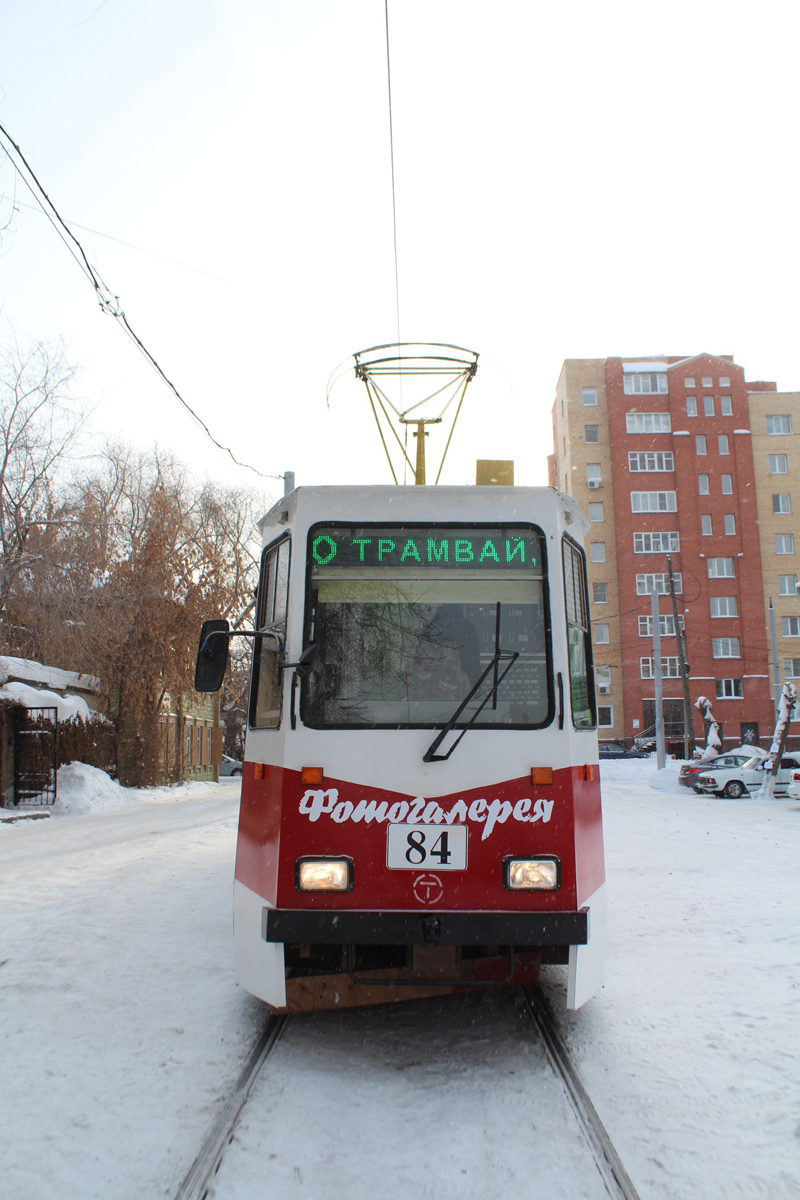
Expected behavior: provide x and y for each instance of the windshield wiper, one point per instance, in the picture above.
(499, 656)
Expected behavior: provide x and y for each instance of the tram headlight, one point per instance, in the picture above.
(532, 874)
(324, 875)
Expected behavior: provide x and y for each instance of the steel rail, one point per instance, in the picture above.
(618, 1183)
(197, 1181)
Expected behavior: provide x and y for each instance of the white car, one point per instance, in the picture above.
(793, 788)
(736, 781)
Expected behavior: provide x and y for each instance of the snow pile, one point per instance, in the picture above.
(36, 672)
(68, 706)
(83, 789)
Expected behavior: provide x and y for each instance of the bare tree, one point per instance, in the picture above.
(39, 424)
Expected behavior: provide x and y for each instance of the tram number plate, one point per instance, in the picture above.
(419, 847)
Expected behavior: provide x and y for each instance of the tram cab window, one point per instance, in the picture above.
(579, 642)
(409, 618)
(265, 696)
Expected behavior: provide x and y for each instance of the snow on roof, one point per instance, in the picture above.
(633, 368)
(68, 706)
(27, 671)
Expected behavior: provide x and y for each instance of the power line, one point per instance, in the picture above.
(391, 155)
(109, 303)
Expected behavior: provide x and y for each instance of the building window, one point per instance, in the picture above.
(591, 433)
(708, 406)
(726, 406)
(589, 397)
(645, 383)
(597, 551)
(724, 381)
(602, 678)
(596, 512)
(689, 382)
(593, 475)
(705, 525)
(601, 635)
(725, 647)
(728, 689)
(779, 425)
(605, 716)
(727, 485)
(708, 382)
(647, 422)
(781, 502)
(666, 625)
(787, 585)
(724, 606)
(669, 668)
(784, 543)
(600, 593)
(720, 568)
(691, 406)
(730, 523)
(791, 668)
(700, 443)
(653, 502)
(651, 460)
(778, 464)
(702, 485)
(656, 543)
(790, 626)
(723, 443)
(646, 584)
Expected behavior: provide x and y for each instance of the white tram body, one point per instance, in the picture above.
(420, 796)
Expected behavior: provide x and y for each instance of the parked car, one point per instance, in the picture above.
(736, 781)
(617, 750)
(793, 787)
(229, 766)
(687, 776)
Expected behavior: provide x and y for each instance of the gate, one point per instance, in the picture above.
(36, 756)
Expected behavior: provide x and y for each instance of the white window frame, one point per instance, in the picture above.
(689, 382)
(790, 627)
(784, 543)
(707, 382)
(725, 647)
(723, 443)
(778, 464)
(602, 710)
(703, 486)
(779, 425)
(787, 585)
(645, 383)
(594, 597)
(654, 502)
(648, 422)
(728, 689)
(597, 552)
(658, 580)
(726, 483)
(708, 406)
(706, 525)
(784, 503)
(717, 572)
(594, 518)
(670, 668)
(723, 606)
(691, 406)
(591, 441)
(601, 637)
(700, 445)
(724, 381)
(791, 668)
(589, 397)
(666, 624)
(654, 461)
(725, 406)
(666, 542)
(729, 521)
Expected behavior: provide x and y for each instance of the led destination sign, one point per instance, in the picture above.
(415, 548)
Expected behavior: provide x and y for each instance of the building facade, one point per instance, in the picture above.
(681, 463)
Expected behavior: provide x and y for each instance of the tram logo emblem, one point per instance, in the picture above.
(428, 889)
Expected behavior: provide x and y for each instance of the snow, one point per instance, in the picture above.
(68, 706)
(123, 1031)
(36, 672)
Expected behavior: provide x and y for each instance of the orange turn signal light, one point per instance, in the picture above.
(312, 775)
(586, 772)
(541, 775)
(260, 770)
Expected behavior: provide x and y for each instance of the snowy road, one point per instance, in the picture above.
(122, 1031)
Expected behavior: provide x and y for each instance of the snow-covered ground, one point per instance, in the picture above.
(122, 1030)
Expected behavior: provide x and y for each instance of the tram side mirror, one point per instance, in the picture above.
(212, 656)
(305, 663)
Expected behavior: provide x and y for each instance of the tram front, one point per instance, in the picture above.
(420, 797)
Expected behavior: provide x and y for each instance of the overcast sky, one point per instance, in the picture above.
(572, 180)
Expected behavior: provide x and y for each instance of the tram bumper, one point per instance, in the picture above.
(425, 929)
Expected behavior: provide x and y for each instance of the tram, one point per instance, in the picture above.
(420, 806)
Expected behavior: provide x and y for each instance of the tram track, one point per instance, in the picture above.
(199, 1179)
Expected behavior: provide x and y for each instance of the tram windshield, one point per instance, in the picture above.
(408, 619)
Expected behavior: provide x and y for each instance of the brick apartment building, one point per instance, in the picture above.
(682, 457)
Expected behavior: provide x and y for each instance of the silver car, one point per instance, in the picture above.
(735, 781)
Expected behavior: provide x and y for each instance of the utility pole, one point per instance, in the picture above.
(660, 755)
(776, 666)
(688, 725)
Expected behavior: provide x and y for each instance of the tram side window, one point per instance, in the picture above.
(579, 642)
(265, 696)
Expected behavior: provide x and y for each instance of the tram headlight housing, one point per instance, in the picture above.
(540, 873)
(324, 874)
